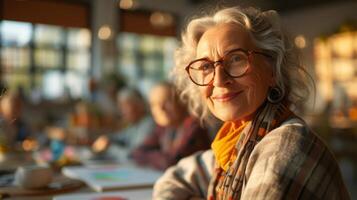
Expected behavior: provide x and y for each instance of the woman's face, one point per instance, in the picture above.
(231, 99)
(163, 108)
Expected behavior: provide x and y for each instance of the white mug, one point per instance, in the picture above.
(33, 176)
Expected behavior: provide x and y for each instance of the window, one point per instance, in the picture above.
(15, 40)
(145, 57)
(336, 70)
(52, 59)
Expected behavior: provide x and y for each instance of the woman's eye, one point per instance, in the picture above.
(235, 58)
(205, 66)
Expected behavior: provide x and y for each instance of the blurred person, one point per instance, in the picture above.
(13, 126)
(104, 96)
(139, 124)
(105, 92)
(83, 122)
(177, 135)
(238, 65)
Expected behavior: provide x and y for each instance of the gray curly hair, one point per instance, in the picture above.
(265, 30)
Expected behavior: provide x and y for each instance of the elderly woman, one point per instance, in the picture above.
(177, 135)
(238, 65)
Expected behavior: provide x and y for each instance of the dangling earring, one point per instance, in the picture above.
(275, 95)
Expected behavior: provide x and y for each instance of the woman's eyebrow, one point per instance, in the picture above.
(204, 57)
(231, 50)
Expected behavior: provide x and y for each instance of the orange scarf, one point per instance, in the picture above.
(224, 143)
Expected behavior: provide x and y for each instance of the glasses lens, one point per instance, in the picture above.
(236, 63)
(201, 72)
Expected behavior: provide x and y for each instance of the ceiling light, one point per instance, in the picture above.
(105, 32)
(300, 41)
(126, 4)
(160, 19)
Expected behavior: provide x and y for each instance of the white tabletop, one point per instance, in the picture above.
(135, 194)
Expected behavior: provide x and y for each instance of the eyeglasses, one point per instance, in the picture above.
(235, 64)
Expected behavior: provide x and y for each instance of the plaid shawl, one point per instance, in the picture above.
(228, 184)
(290, 162)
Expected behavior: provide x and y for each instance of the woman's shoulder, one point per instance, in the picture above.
(293, 131)
(199, 159)
(189, 177)
(296, 160)
(290, 145)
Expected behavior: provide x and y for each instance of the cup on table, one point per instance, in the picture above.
(33, 176)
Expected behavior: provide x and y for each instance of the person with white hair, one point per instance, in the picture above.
(177, 133)
(238, 65)
(133, 109)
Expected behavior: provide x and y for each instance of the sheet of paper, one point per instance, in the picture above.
(109, 177)
(142, 194)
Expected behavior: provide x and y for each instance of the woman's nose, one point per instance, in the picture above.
(221, 78)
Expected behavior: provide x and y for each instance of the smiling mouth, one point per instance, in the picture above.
(226, 97)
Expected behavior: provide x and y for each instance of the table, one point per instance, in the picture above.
(14, 160)
(134, 194)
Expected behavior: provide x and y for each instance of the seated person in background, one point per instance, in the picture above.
(178, 134)
(139, 124)
(13, 128)
(84, 122)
